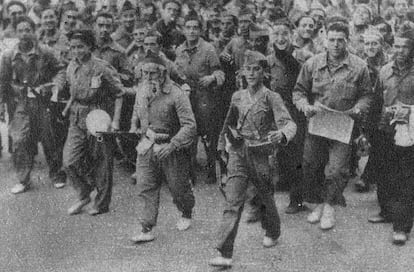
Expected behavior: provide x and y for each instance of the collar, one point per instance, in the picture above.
(88, 64)
(35, 51)
(194, 48)
(323, 61)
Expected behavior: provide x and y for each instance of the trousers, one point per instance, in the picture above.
(31, 124)
(325, 170)
(89, 165)
(175, 170)
(246, 166)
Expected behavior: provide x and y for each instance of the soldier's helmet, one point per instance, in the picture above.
(98, 121)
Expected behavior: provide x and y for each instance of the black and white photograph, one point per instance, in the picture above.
(206, 135)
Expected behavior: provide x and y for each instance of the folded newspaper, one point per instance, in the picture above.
(331, 124)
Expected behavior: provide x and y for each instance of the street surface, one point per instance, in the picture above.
(38, 235)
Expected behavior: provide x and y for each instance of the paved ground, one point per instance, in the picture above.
(37, 235)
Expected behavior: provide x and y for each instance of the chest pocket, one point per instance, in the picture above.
(260, 116)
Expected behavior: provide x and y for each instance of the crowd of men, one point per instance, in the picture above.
(245, 77)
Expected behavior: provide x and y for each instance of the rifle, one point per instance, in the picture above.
(101, 134)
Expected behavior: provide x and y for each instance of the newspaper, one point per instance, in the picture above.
(331, 124)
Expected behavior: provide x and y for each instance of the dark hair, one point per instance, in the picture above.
(164, 3)
(18, 3)
(105, 15)
(339, 27)
(303, 17)
(233, 18)
(85, 35)
(26, 19)
(192, 16)
(379, 20)
(154, 33)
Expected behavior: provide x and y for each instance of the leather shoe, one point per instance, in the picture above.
(399, 238)
(377, 218)
(221, 262)
(269, 242)
(295, 208)
(77, 207)
(143, 237)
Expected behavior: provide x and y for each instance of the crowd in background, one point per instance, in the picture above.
(350, 56)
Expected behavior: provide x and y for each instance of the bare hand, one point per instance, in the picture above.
(311, 110)
(206, 80)
(276, 136)
(354, 112)
(226, 57)
(115, 126)
(165, 151)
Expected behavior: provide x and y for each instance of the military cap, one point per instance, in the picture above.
(85, 35)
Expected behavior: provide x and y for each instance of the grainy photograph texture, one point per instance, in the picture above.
(206, 135)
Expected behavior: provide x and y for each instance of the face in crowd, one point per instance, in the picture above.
(214, 19)
(139, 35)
(151, 44)
(147, 12)
(25, 32)
(254, 74)
(361, 16)
(227, 26)
(49, 19)
(79, 49)
(69, 20)
(281, 37)
(103, 27)
(402, 48)
(401, 7)
(15, 12)
(372, 45)
(244, 24)
(171, 12)
(385, 31)
(319, 17)
(192, 30)
(306, 28)
(336, 43)
(128, 18)
(153, 76)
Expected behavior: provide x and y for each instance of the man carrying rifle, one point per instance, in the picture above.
(256, 123)
(28, 72)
